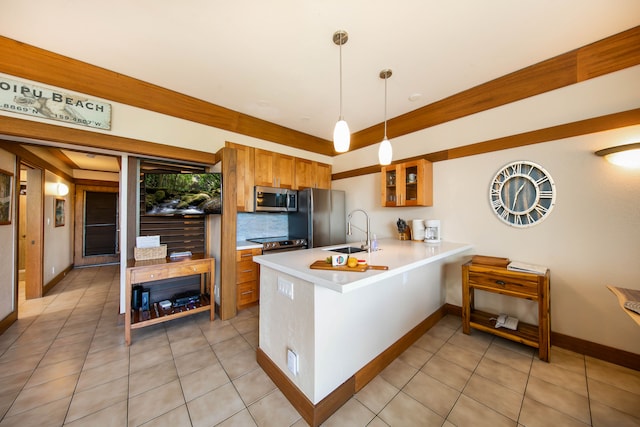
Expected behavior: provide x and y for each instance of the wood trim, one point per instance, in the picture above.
(580, 346)
(8, 320)
(83, 138)
(608, 55)
(59, 154)
(314, 415)
(53, 282)
(228, 157)
(97, 183)
(377, 365)
(33, 63)
(598, 351)
(582, 127)
(29, 157)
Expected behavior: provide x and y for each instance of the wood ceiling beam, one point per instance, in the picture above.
(605, 56)
(581, 127)
(611, 54)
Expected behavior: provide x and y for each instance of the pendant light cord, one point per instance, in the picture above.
(341, 43)
(385, 106)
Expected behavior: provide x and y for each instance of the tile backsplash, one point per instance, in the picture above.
(255, 225)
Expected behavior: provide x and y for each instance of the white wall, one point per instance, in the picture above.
(58, 241)
(590, 239)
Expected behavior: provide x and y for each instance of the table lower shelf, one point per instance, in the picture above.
(525, 334)
(140, 319)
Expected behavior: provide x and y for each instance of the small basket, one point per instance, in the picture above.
(157, 252)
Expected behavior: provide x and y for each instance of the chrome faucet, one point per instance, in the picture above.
(367, 231)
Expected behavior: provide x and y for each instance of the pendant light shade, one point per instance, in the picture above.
(341, 137)
(341, 134)
(385, 152)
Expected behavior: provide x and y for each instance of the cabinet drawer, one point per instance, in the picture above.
(246, 270)
(185, 270)
(142, 276)
(505, 283)
(247, 293)
(247, 254)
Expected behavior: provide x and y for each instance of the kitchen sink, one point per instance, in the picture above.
(347, 250)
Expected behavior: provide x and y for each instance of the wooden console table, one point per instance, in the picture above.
(499, 280)
(149, 272)
(624, 294)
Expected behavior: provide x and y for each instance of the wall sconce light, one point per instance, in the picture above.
(627, 156)
(62, 189)
(341, 134)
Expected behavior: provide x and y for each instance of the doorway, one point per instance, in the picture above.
(97, 225)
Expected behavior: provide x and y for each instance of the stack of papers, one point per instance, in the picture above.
(524, 267)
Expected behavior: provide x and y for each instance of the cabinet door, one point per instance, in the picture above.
(284, 170)
(304, 174)
(323, 176)
(263, 170)
(407, 184)
(244, 176)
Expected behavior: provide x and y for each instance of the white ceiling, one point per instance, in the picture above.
(276, 60)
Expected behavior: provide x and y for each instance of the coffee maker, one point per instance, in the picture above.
(432, 231)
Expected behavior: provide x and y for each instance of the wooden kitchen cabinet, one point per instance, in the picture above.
(311, 174)
(247, 278)
(407, 184)
(531, 286)
(274, 169)
(245, 161)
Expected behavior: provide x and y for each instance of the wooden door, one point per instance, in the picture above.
(263, 171)
(245, 161)
(34, 234)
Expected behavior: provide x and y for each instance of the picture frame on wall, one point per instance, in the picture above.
(6, 196)
(59, 212)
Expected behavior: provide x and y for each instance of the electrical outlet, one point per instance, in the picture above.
(292, 361)
(285, 287)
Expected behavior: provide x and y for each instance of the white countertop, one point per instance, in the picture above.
(398, 255)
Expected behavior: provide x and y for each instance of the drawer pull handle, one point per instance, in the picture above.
(247, 293)
(246, 255)
(500, 282)
(246, 271)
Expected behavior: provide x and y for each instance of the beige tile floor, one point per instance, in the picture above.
(64, 362)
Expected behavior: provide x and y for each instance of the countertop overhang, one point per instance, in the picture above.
(399, 255)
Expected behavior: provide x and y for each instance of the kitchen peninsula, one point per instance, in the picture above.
(324, 334)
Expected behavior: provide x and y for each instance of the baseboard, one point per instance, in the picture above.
(314, 415)
(580, 346)
(46, 288)
(8, 321)
(377, 365)
(598, 351)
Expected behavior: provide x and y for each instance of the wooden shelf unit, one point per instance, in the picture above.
(534, 287)
(150, 272)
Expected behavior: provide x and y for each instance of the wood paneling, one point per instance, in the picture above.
(228, 234)
(23, 60)
(582, 127)
(83, 138)
(605, 56)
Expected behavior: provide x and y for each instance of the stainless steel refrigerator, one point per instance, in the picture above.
(321, 217)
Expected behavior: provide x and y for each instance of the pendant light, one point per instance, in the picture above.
(385, 152)
(341, 134)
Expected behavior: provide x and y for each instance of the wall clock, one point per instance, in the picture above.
(522, 194)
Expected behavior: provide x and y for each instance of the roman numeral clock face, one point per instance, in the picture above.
(522, 194)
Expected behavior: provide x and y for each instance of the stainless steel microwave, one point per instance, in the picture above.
(271, 199)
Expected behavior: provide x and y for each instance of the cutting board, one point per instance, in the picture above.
(323, 265)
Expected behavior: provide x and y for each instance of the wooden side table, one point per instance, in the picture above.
(534, 287)
(151, 271)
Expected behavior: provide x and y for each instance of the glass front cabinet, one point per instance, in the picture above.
(407, 184)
